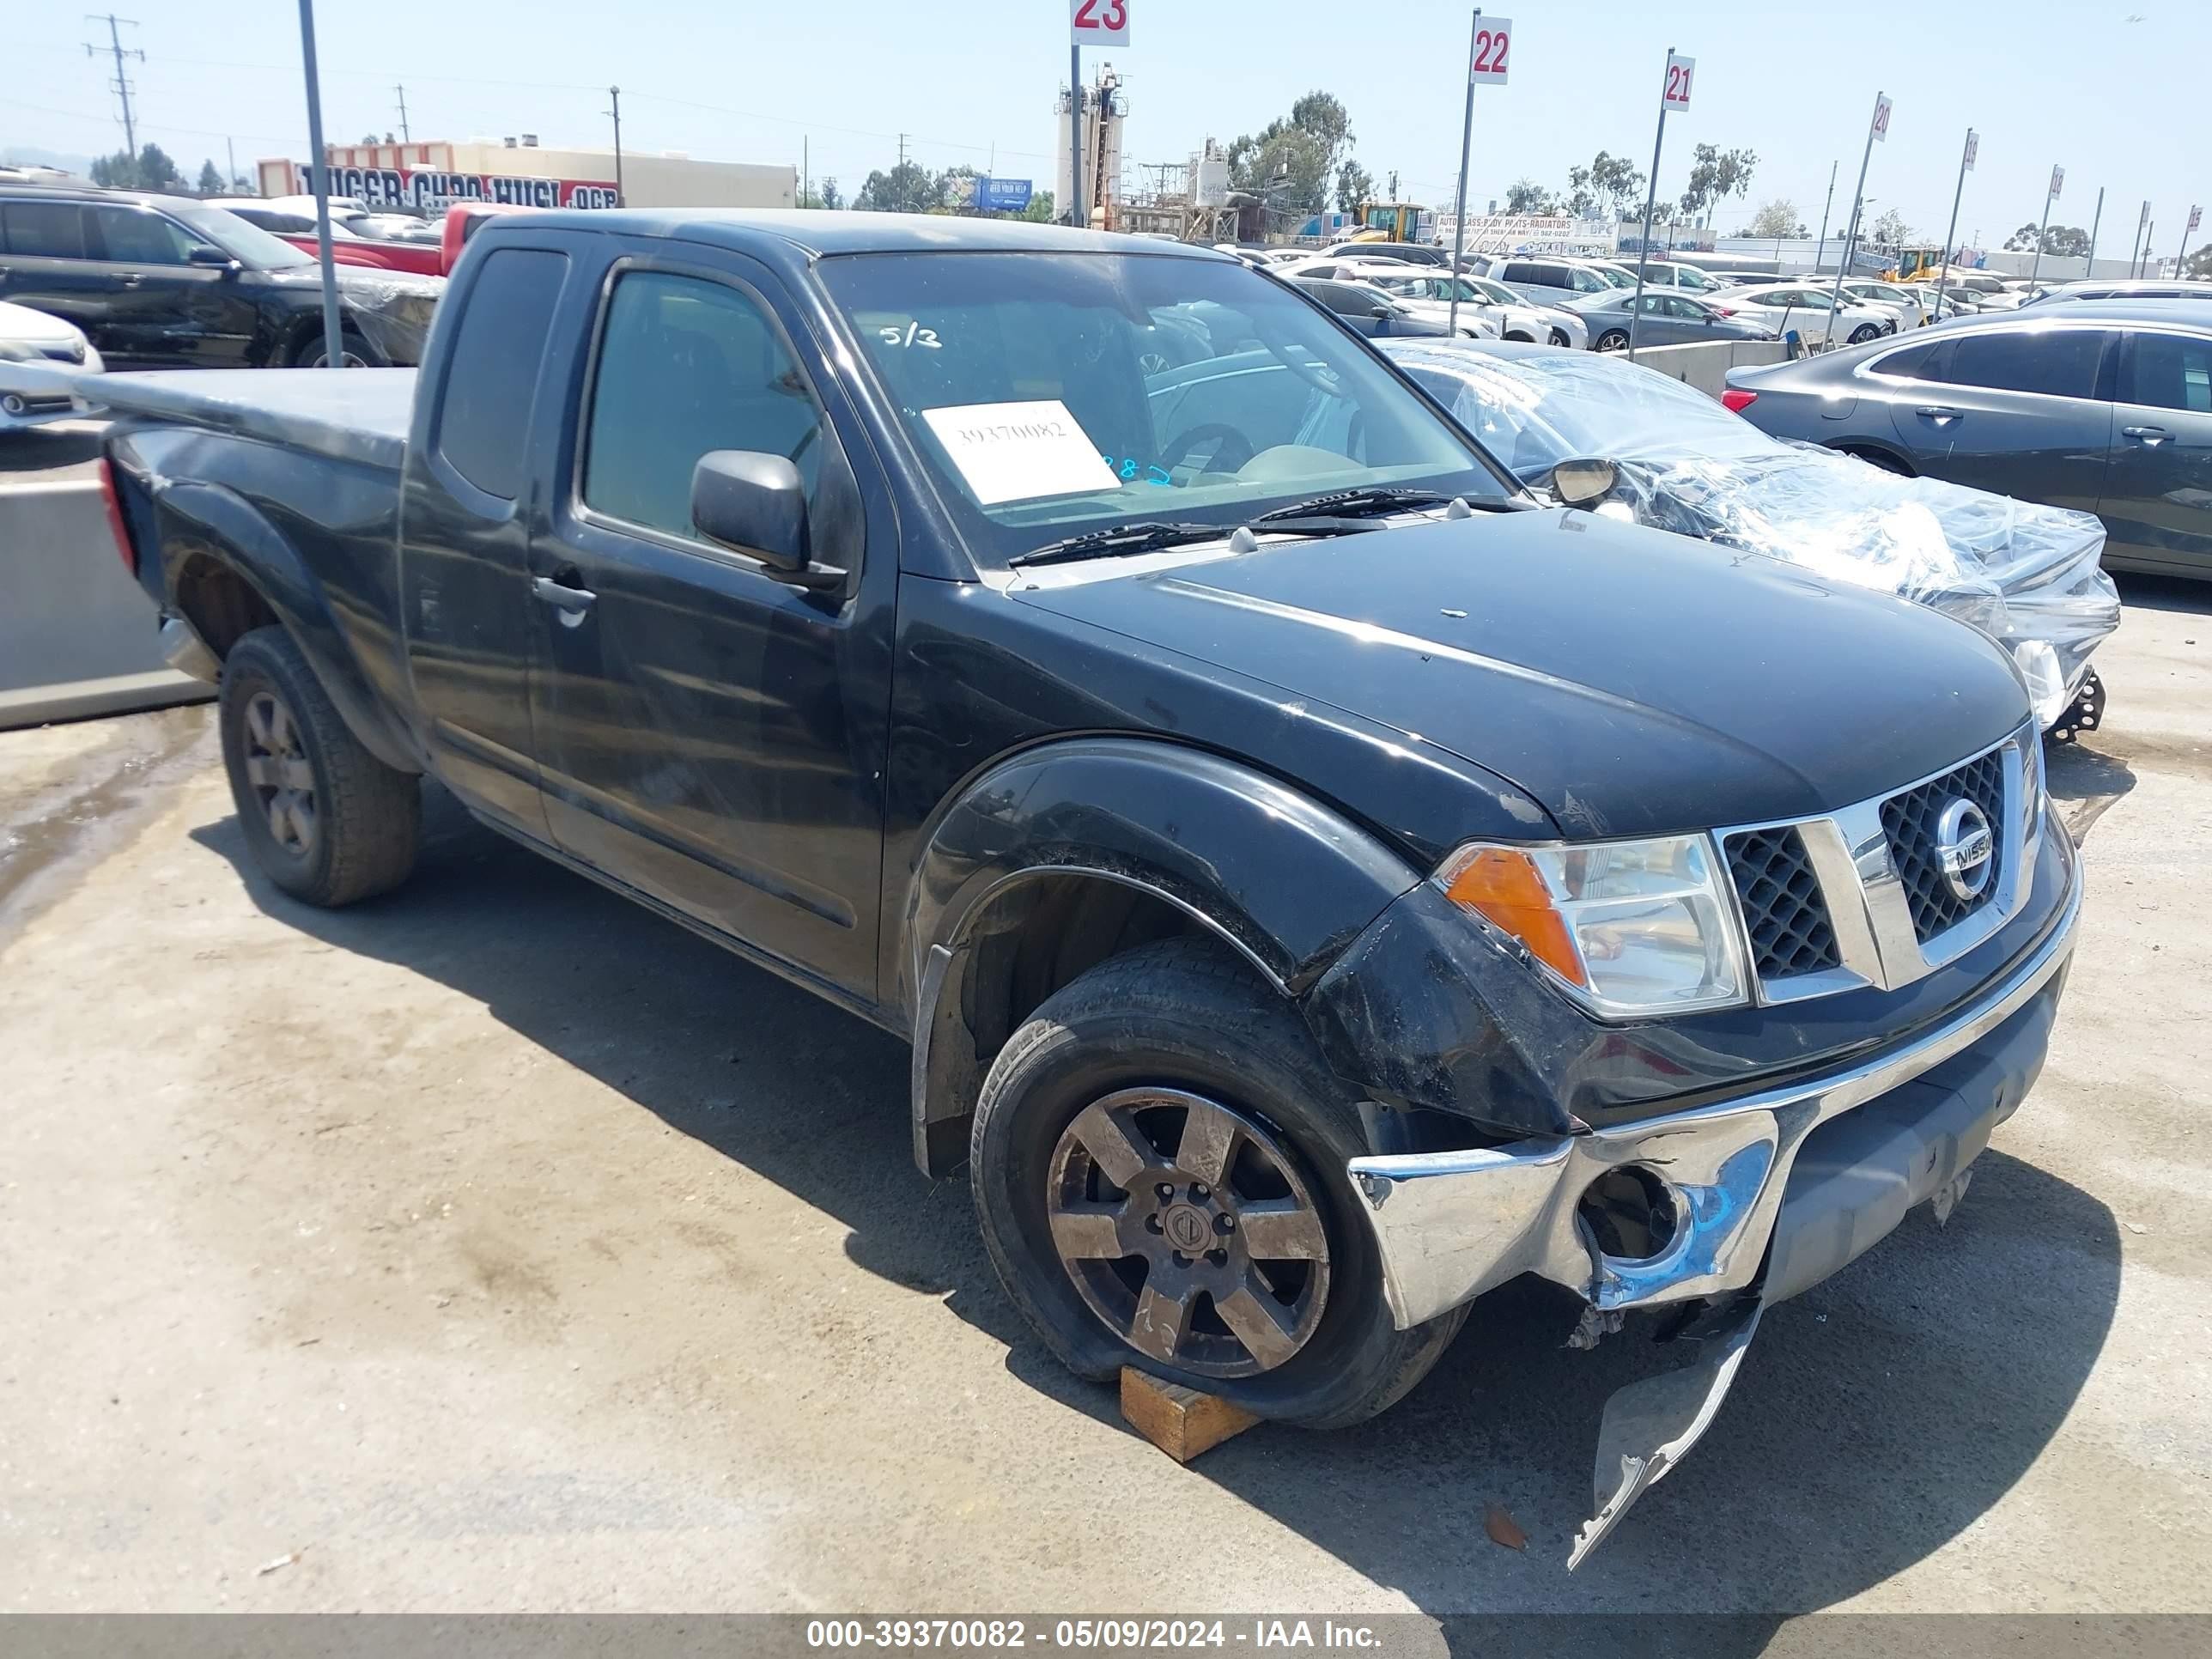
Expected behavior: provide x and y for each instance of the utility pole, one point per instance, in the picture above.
(805, 169)
(114, 49)
(901, 174)
(2136, 246)
(230, 155)
(2150, 231)
(2035, 265)
(1821, 252)
(614, 97)
(1394, 183)
(405, 137)
(1077, 214)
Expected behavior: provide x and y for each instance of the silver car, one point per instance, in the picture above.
(1516, 318)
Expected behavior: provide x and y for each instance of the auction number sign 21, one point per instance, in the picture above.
(1675, 94)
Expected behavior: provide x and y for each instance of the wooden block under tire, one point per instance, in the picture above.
(1182, 1422)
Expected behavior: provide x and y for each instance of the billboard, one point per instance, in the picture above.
(434, 190)
(1002, 195)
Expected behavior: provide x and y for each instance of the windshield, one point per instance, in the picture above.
(1615, 278)
(249, 244)
(1534, 411)
(1060, 394)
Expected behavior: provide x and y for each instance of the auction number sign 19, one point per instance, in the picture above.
(1099, 22)
(1675, 94)
(1493, 52)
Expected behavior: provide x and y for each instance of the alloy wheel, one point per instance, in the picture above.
(1188, 1229)
(277, 768)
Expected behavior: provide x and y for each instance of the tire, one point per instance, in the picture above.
(309, 353)
(1560, 337)
(1614, 339)
(1183, 1020)
(324, 819)
(1864, 332)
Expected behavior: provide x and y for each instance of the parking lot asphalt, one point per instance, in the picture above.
(500, 1246)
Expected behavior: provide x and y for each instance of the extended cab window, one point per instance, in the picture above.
(687, 366)
(44, 230)
(491, 374)
(1080, 390)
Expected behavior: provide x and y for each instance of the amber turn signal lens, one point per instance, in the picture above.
(1506, 889)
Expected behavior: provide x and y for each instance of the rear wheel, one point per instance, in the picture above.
(1157, 1159)
(325, 820)
(1614, 339)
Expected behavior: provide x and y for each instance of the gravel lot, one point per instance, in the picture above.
(499, 1246)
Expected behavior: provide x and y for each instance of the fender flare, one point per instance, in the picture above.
(227, 527)
(1284, 880)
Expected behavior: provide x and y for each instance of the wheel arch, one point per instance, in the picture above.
(1877, 453)
(229, 570)
(1078, 849)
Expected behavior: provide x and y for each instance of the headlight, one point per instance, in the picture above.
(2046, 681)
(1627, 928)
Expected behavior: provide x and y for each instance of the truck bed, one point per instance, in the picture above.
(358, 415)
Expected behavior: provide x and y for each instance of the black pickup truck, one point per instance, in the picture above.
(1319, 882)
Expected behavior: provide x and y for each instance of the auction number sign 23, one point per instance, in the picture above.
(1099, 22)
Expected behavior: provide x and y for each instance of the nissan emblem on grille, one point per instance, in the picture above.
(1963, 847)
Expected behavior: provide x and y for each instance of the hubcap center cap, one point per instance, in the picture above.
(1188, 1227)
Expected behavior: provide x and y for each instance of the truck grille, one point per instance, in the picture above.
(1783, 911)
(1908, 822)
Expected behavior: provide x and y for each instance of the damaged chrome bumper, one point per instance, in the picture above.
(1450, 1225)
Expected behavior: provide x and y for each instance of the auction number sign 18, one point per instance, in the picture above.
(1493, 50)
(1677, 93)
(1099, 22)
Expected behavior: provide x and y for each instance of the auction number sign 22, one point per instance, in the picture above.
(1493, 48)
(1099, 22)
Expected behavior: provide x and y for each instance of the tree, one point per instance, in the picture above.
(1776, 218)
(210, 181)
(1527, 196)
(908, 187)
(1716, 174)
(1890, 230)
(150, 169)
(1289, 164)
(2069, 241)
(1354, 184)
(2200, 262)
(1605, 188)
(1039, 211)
(825, 194)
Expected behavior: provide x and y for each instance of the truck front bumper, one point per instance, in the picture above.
(1795, 1181)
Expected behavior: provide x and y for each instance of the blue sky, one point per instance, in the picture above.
(2116, 103)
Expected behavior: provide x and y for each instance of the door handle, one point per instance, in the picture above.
(2149, 436)
(571, 601)
(1939, 413)
(132, 281)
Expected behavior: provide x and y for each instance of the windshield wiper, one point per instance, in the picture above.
(1356, 503)
(1146, 536)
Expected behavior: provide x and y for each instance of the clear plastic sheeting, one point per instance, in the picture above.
(2026, 575)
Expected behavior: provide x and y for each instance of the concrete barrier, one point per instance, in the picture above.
(1706, 365)
(77, 633)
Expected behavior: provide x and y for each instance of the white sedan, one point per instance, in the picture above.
(1803, 307)
(1912, 309)
(39, 357)
(1516, 318)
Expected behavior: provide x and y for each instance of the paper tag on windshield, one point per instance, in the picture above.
(1019, 452)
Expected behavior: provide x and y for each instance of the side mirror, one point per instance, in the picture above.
(1378, 310)
(1580, 483)
(756, 504)
(201, 254)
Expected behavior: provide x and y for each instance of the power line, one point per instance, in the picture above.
(122, 83)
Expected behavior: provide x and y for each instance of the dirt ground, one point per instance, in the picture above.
(499, 1246)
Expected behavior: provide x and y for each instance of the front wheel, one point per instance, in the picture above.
(1864, 332)
(1158, 1165)
(1614, 339)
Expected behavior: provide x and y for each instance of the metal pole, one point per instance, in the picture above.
(1077, 215)
(2143, 265)
(318, 176)
(2096, 222)
(614, 94)
(2135, 242)
(806, 169)
(406, 134)
(1821, 252)
(1650, 199)
(1459, 205)
(2035, 266)
(1858, 201)
(230, 155)
(2182, 250)
(1943, 261)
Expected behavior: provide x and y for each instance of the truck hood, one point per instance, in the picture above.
(1633, 682)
